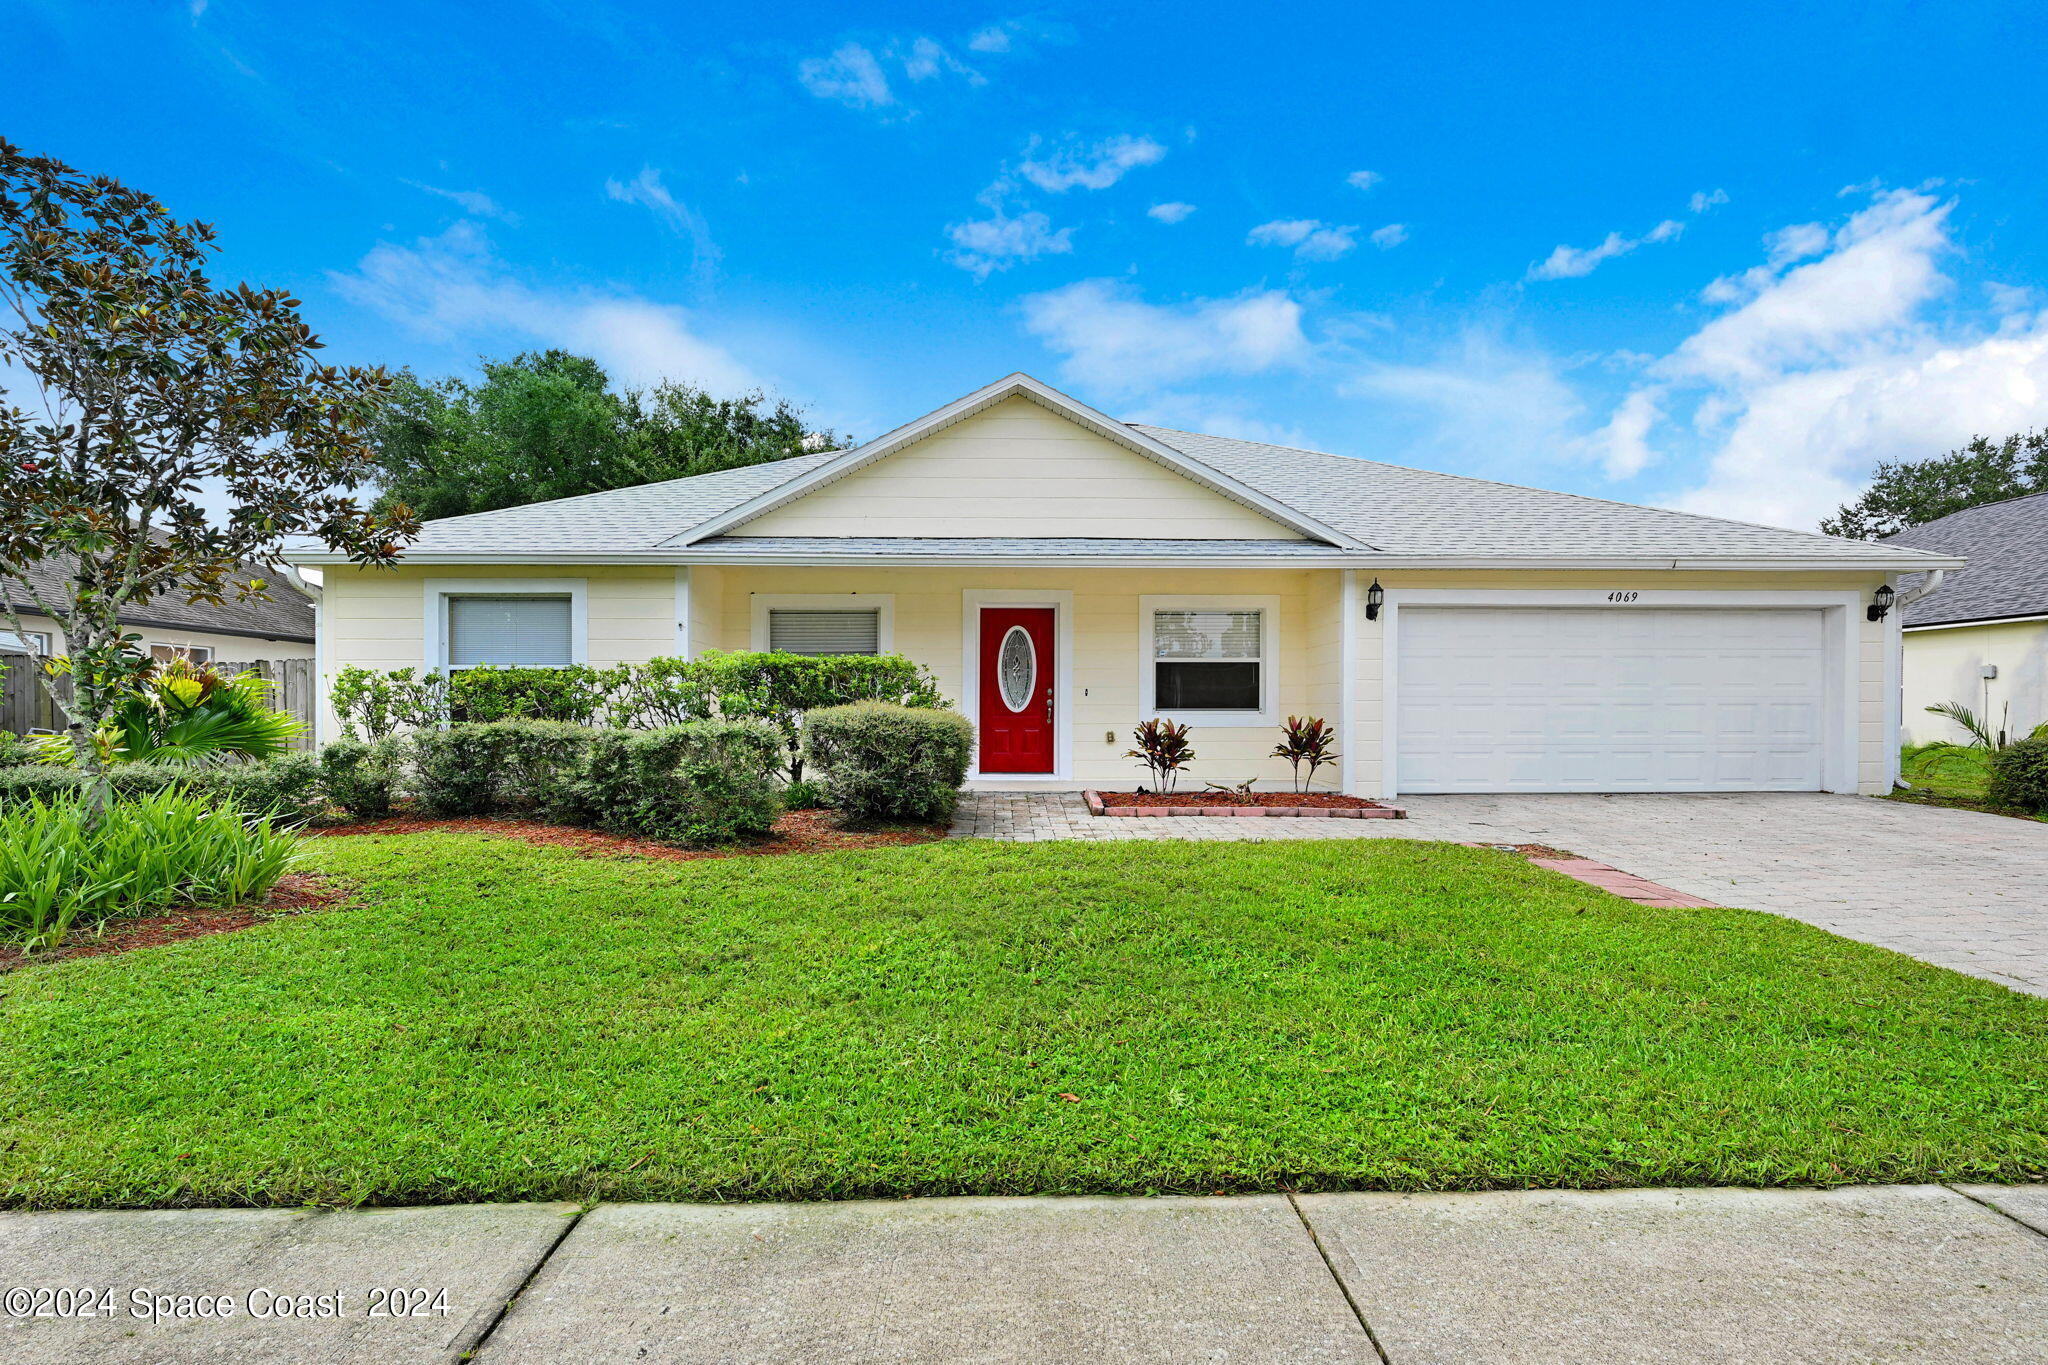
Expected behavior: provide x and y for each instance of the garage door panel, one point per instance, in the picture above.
(1576, 699)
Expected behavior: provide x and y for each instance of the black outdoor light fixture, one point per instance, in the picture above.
(1376, 594)
(1880, 603)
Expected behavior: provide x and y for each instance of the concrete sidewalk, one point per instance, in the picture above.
(1921, 1273)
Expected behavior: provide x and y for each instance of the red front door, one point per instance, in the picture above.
(1016, 690)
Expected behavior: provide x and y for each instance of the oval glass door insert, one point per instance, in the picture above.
(1017, 668)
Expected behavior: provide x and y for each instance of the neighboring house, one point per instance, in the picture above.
(1981, 637)
(1066, 575)
(280, 627)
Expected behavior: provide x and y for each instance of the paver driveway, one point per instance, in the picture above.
(1952, 887)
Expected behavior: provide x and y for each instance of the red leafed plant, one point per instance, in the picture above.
(1306, 739)
(1164, 750)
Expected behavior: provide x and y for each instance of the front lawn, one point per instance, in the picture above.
(493, 1020)
(1949, 777)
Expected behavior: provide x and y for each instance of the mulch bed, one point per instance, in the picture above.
(295, 893)
(1322, 800)
(797, 831)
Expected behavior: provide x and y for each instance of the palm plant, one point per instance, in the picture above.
(1983, 739)
(185, 714)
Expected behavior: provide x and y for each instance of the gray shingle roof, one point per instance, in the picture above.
(1006, 547)
(1394, 510)
(2007, 546)
(286, 615)
(1403, 511)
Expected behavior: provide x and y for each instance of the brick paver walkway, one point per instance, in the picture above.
(1951, 887)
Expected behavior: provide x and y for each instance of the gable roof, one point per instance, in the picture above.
(1019, 385)
(1355, 511)
(285, 614)
(2006, 544)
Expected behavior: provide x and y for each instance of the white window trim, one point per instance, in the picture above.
(972, 600)
(1270, 626)
(33, 642)
(1841, 633)
(434, 645)
(882, 602)
(184, 649)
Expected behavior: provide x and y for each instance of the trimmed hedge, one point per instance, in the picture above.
(363, 778)
(574, 694)
(884, 762)
(703, 782)
(2019, 776)
(288, 788)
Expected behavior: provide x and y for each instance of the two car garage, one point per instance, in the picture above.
(1622, 697)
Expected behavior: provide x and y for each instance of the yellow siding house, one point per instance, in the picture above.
(1066, 575)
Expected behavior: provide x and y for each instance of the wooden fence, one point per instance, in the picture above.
(25, 706)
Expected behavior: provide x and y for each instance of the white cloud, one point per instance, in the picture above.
(1388, 237)
(1569, 263)
(1001, 240)
(1486, 403)
(925, 60)
(452, 288)
(1095, 167)
(1363, 180)
(1114, 341)
(1312, 239)
(1174, 212)
(994, 38)
(850, 75)
(475, 203)
(647, 191)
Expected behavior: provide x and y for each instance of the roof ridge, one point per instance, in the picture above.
(1517, 487)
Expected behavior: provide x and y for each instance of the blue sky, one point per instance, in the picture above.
(1716, 257)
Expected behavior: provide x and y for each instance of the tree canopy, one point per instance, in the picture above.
(147, 382)
(548, 424)
(1914, 492)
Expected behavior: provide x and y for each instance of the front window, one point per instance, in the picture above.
(1207, 660)
(191, 654)
(34, 642)
(525, 630)
(805, 630)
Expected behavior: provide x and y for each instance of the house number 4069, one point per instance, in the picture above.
(1621, 597)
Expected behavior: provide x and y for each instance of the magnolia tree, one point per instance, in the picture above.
(130, 383)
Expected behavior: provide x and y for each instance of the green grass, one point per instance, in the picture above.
(498, 1021)
(1949, 777)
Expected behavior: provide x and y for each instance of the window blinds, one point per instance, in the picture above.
(508, 631)
(799, 631)
(1205, 634)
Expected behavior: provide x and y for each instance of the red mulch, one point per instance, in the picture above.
(295, 893)
(797, 831)
(1327, 800)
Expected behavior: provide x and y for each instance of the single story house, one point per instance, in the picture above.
(1067, 575)
(1979, 636)
(278, 626)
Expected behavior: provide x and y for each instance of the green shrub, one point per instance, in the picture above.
(575, 694)
(783, 688)
(803, 794)
(58, 868)
(16, 750)
(539, 764)
(373, 705)
(2019, 776)
(705, 782)
(887, 762)
(456, 768)
(362, 777)
(287, 788)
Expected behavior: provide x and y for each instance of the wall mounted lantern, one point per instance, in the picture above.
(1880, 603)
(1374, 596)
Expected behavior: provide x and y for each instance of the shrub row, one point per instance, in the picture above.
(890, 763)
(288, 788)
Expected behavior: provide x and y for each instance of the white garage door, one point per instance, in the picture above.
(1520, 699)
